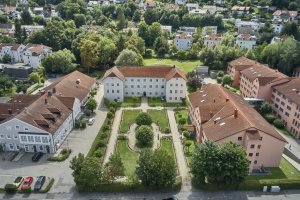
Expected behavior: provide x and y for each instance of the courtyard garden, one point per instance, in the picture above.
(128, 118)
(131, 102)
(156, 101)
(161, 119)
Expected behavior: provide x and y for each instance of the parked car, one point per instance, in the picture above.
(18, 181)
(37, 156)
(39, 182)
(91, 121)
(28, 181)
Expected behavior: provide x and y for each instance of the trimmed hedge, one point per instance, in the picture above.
(278, 123)
(49, 186)
(270, 118)
(10, 188)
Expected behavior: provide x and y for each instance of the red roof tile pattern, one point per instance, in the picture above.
(291, 90)
(37, 48)
(159, 72)
(246, 37)
(242, 63)
(213, 37)
(285, 12)
(219, 106)
(183, 36)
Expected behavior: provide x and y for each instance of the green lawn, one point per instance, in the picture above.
(160, 118)
(129, 158)
(155, 101)
(186, 66)
(182, 113)
(131, 102)
(128, 118)
(189, 152)
(285, 171)
(167, 145)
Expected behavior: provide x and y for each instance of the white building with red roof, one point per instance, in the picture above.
(183, 41)
(15, 51)
(212, 40)
(168, 82)
(34, 54)
(246, 41)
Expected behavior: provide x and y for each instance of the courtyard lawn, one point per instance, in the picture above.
(186, 66)
(189, 152)
(182, 113)
(160, 118)
(155, 101)
(131, 102)
(129, 157)
(167, 145)
(128, 118)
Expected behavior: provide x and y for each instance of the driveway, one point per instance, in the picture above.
(79, 141)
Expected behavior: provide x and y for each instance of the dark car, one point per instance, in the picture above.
(37, 156)
(39, 182)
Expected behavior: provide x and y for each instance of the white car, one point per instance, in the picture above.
(91, 121)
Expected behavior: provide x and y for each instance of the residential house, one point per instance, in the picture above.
(205, 10)
(241, 10)
(168, 82)
(34, 53)
(7, 29)
(187, 30)
(248, 27)
(280, 38)
(166, 28)
(32, 28)
(286, 104)
(15, 51)
(150, 5)
(246, 41)
(192, 6)
(220, 2)
(41, 123)
(296, 72)
(221, 116)
(38, 11)
(212, 40)
(207, 30)
(183, 41)
(281, 17)
(180, 2)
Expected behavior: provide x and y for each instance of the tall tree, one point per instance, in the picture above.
(129, 58)
(89, 53)
(26, 17)
(18, 31)
(115, 167)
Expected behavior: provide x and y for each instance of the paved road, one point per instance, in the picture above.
(79, 141)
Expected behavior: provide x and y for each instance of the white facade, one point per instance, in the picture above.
(180, 2)
(187, 30)
(277, 27)
(192, 6)
(183, 42)
(212, 40)
(246, 43)
(14, 53)
(34, 59)
(209, 30)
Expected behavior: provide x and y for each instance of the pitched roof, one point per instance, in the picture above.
(240, 8)
(213, 37)
(246, 37)
(159, 72)
(183, 36)
(75, 84)
(290, 89)
(14, 46)
(37, 48)
(285, 12)
(222, 121)
(263, 73)
(242, 63)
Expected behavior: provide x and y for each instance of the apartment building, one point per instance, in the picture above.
(221, 116)
(212, 40)
(41, 122)
(207, 30)
(187, 30)
(168, 82)
(246, 41)
(34, 53)
(183, 41)
(257, 81)
(286, 104)
(281, 17)
(235, 67)
(15, 51)
(241, 10)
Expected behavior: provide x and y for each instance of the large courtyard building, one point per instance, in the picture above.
(41, 122)
(168, 82)
(221, 116)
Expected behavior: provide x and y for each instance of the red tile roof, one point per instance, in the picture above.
(246, 37)
(183, 36)
(285, 12)
(213, 37)
(219, 105)
(290, 89)
(159, 72)
(241, 63)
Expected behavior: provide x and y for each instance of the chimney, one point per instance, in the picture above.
(46, 101)
(236, 113)
(10, 111)
(54, 90)
(227, 99)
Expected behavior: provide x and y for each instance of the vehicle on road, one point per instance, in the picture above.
(28, 181)
(37, 156)
(91, 121)
(39, 182)
(18, 181)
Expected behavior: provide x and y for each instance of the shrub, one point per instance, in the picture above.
(64, 151)
(109, 115)
(113, 104)
(26, 189)
(186, 134)
(112, 110)
(180, 115)
(103, 135)
(219, 80)
(226, 80)
(98, 153)
(101, 143)
(77, 124)
(144, 135)
(278, 123)
(10, 188)
(88, 112)
(182, 121)
(83, 125)
(220, 74)
(265, 108)
(143, 119)
(105, 127)
(270, 118)
(167, 130)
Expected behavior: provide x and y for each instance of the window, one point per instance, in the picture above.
(255, 161)
(126, 86)
(37, 139)
(107, 91)
(151, 80)
(257, 154)
(138, 86)
(259, 146)
(156, 80)
(17, 127)
(117, 84)
(1, 136)
(171, 91)
(44, 139)
(18, 147)
(162, 86)
(41, 148)
(144, 80)
(112, 84)
(23, 138)
(144, 86)
(112, 91)
(118, 91)
(150, 86)
(8, 136)
(16, 137)
(252, 146)
(240, 138)
(250, 154)
(132, 86)
(170, 98)
(138, 80)
(132, 79)
(30, 139)
(11, 146)
(26, 129)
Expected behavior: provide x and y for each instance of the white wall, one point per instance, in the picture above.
(247, 44)
(62, 132)
(183, 44)
(113, 89)
(175, 89)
